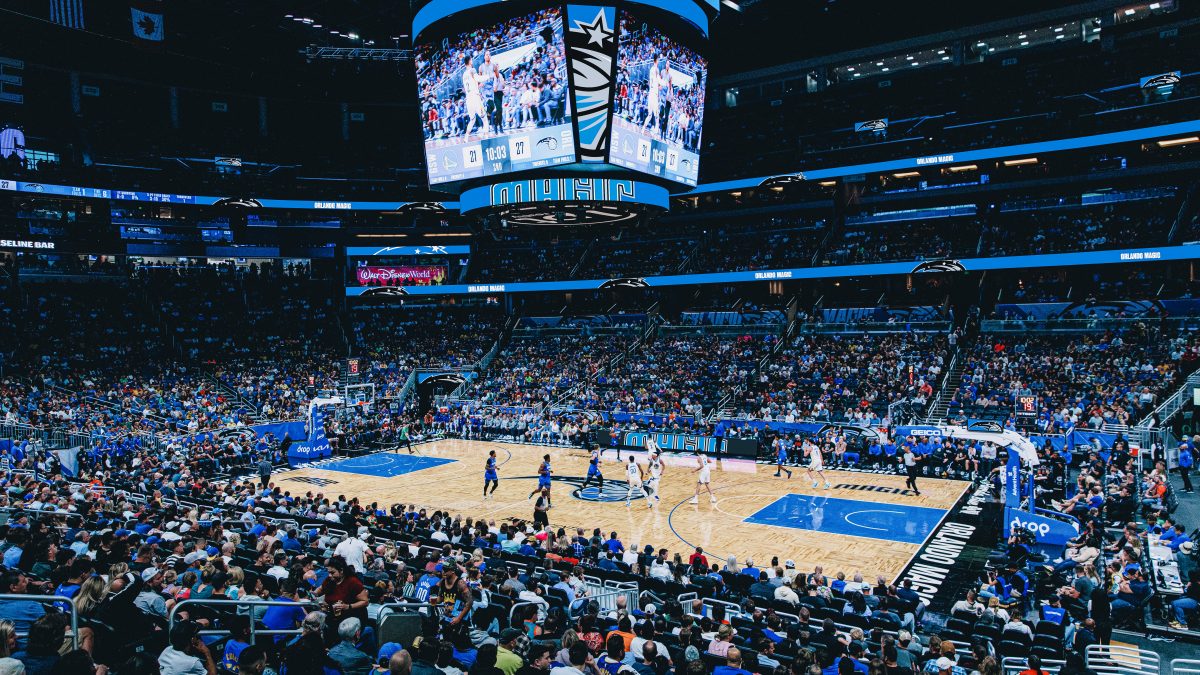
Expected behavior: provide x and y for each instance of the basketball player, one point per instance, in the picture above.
(633, 477)
(593, 471)
(655, 471)
(704, 479)
(490, 475)
(653, 96)
(780, 458)
(474, 101)
(816, 464)
(652, 448)
(543, 478)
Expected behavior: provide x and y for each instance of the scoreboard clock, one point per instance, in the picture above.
(1026, 406)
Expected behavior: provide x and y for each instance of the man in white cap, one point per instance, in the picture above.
(789, 570)
(354, 550)
(150, 599)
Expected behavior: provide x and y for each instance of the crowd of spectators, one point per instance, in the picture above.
(778, 242)
(638, 257)
(395, 342)
(923, 240)
(846, 378)
(539, 261)
(1089, 228)
(685, 374)
(129, 545)
(536, 370)
(1078, 379)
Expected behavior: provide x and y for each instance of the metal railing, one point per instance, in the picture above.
(1086, 324)
(50, 599)
(1185, 667)
(1174, 403)
(876, 327)
(1118, 660)
(397, 608)
(240, 606)
(607, 595)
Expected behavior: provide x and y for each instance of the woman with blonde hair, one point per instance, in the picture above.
(569, 638)
(8, 639)
(237, 577)
(91, 594)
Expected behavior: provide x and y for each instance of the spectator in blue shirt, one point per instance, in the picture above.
(750, 570)
(613, 544)
(22, 613)
(282, 617)
(1186, 460)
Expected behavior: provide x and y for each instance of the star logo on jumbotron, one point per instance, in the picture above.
(597, 31)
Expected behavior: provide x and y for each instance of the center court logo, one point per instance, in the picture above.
(614, 490)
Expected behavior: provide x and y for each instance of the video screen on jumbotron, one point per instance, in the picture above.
(659, 103)
(494, 100)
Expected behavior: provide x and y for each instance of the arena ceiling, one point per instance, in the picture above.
(268, 43)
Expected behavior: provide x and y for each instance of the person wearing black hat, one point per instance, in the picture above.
(507, 659)
(455, 598)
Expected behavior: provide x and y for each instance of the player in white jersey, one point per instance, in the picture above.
(633, 476)
(704, 479)
(475, 109)
(652, 448)
(655, 472)
(653, 96)
(816, 463)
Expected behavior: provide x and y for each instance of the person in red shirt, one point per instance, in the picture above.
(697, 560)
(342, 594)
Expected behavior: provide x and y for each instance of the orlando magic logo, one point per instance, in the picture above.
(591, 49)
(312, 480)
(614, 490)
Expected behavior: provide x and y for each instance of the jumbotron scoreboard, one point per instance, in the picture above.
(541, 112)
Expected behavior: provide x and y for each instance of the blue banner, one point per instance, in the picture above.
(294, 430)
(880, 314)
(202, 200)
(1113, 257)
(380, 251)
(917, 430)
(733, 318)
(679, 442)
(1099, 309)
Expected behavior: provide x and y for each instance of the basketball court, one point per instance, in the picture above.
(866, 522)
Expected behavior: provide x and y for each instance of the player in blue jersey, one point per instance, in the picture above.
(543, 477)
(780, 458)
(489, 475)
(593, 471)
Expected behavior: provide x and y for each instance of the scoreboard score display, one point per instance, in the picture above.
(539, 88)
(1026, 406)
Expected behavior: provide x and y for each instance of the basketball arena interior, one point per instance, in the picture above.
(599, 337)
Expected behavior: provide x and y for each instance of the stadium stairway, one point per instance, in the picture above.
(230, 392)
(940, 407)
